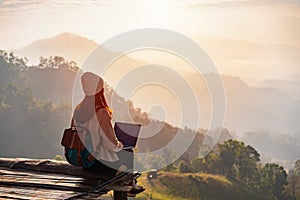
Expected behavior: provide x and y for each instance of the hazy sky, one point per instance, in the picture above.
(255, 39)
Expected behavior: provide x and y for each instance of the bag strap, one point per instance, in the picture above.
(72, 122)
(79, 155)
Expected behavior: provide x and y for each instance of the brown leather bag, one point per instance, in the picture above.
(75, 151)
(71, 138)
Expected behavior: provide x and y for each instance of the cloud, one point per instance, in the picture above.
(241, 3)
(18, 6)
(14, 6)
(19, 3)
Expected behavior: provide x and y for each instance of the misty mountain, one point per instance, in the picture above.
(254, 108)
(67, 45)
(247, 108)
(274, 146)
(272, 106)
(291, 88)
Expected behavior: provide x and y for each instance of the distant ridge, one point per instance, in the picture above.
(72, 47)
(292, 88)
(68, 45)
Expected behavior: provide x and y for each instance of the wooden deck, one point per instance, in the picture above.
(48, 179)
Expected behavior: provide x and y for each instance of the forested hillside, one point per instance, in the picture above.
(30, 126)
(35, 107)
(232, 171)
(269, 106)
(200, 186)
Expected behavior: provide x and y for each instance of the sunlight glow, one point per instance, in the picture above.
(157, 11)
(251, 32)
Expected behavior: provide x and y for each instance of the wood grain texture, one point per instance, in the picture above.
(44, 166)
(47, 179)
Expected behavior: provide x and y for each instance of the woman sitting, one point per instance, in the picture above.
(94, 114)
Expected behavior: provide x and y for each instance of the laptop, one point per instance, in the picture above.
(127, 133)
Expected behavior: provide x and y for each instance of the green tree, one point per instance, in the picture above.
(184, 166)
(154, 161)
(293, 186)
(227, 157)
(198, 165)
(274, 179)
(239, 161)
(57, 62)
(212, 163)
(170, 168)
(296, 170)
(294, 181)
(247, 164)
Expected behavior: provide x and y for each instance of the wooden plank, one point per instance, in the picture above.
(42, 176)
(16, 192)
(45, 165)
(19, 192)
(38, 179)
(28, 184)
(48, 179)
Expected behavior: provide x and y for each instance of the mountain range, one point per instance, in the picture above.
(273, 106)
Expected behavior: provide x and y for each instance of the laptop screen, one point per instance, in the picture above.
(127, 133)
